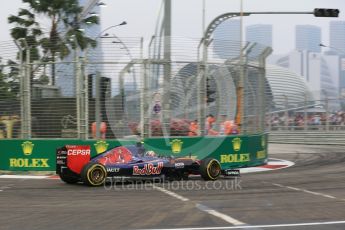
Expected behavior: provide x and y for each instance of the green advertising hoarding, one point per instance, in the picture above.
(39, 155)
(231, 151)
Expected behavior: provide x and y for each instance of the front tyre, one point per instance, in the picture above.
(210, 169)
(93, 174)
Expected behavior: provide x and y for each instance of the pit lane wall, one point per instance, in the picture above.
(231, 151)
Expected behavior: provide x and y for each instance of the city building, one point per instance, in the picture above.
(308, 38)
(65, 72)
(337, 37)
(226, 39)
(259, 33)
(337, 47)
(288, 89)
(320, 72)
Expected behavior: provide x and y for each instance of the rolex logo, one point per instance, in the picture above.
(101, 146)
(176, 146)
(236, 144)
(27, 147)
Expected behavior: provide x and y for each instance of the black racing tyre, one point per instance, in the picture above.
(69, 178)
(93, 174)
(210, 169)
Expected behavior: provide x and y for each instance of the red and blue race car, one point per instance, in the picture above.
(74, 164)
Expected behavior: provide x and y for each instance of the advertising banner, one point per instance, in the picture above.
(230, 151)
(39, 155)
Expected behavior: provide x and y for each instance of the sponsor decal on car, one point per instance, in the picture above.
(148, 169)
(232, 172)
(77, 157)
(113, 170)
(77, 152)
(179, 165)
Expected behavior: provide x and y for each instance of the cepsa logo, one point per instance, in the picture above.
(148, 169)
(77, 157)
(77, 152)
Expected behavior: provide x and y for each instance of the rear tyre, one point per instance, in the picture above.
(210, 169)
(93, 174)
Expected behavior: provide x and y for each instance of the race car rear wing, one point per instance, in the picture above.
(73, 157)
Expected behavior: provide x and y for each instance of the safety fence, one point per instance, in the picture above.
(130, 87)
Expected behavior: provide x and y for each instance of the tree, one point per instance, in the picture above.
(65, 22)
(9, 82)
(26, 28)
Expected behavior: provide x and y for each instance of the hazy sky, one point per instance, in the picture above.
(141, 16)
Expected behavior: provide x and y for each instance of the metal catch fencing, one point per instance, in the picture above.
(130, 87)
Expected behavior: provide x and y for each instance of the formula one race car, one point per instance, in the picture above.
(74, 164)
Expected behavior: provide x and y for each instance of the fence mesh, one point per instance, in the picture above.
(128, 87)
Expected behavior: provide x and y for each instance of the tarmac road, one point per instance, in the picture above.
(309, 195)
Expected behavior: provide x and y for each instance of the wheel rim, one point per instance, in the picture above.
(214, 169)
(97, 175)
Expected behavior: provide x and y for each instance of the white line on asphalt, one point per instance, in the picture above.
(259, 226)
(171, 193)
(201, 207)
(319, 194)
(220, 215)
(1, 190)
(304, 190)
(278, 185)
(293, 188)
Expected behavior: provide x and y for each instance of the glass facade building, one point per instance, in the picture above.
(308, 38)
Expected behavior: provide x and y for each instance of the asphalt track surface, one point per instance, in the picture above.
(308, 195)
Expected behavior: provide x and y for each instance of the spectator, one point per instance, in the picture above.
(102, 130)
(209, 124)
(194, 128)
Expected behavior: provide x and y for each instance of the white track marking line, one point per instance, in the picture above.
(278, 185)
(1, 190)
(170, 193)
(259, 226)
(293, 188)
(319, 194)
(201, 207)
(220, 215)
(306, 191)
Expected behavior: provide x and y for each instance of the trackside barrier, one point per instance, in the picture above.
(231, 151)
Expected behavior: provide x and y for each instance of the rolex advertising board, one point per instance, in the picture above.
(230, 151)
(39, 155)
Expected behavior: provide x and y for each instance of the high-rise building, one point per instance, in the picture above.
(227, 36)
(317, 70)
(308, 38)
(336, 49)
(337, 37)
(65, 74)
(260, 33)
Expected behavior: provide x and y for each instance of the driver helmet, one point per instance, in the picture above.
(150, 154)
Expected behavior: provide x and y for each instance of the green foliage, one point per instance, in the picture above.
(9, 81)
(60, 13)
